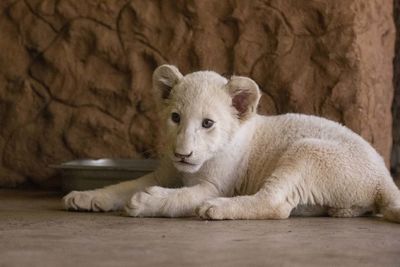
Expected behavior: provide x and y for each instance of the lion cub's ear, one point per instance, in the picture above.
(164, 78)
(245, 96)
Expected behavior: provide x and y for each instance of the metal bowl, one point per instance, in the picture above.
(87, 174)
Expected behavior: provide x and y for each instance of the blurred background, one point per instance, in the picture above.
(75, 76)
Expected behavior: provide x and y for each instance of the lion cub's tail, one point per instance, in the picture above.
(389, 202)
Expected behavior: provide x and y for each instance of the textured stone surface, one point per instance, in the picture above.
(75, 75)
(395, 164)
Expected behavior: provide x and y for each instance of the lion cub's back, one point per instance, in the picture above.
(274, 134)
(290, 127)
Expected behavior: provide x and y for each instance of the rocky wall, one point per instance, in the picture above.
(75, 76)
(395, 164)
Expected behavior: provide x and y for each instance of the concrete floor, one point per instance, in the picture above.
(35, 231)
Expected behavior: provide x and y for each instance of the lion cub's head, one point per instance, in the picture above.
(203, 111)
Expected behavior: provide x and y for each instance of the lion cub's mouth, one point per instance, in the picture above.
(183, 162)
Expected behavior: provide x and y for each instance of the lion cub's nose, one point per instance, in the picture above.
(182, 156)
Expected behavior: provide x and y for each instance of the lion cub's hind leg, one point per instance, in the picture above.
(273, 201)
(296, 180)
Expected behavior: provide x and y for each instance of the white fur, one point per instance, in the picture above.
(248, 166)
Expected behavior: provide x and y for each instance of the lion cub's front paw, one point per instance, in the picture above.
(148, 203)
(215, 209)
(88, 201)
(137, 205)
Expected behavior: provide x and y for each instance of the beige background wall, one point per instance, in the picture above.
(75, 75)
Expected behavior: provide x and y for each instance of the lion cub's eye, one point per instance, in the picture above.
(207, 123)
(175, 117)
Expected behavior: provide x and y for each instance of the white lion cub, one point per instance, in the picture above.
(223, 161)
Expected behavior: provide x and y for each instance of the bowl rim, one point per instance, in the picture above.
(112, 164)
